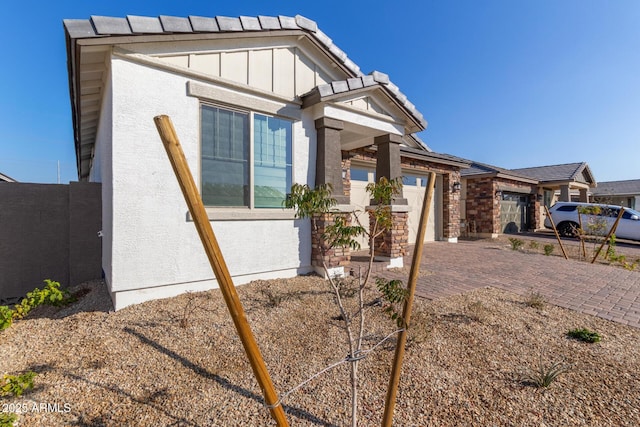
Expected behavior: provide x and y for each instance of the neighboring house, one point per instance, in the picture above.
(498, 200)
(5, 178)
(622, 193)
(258, 103)
(564, 183)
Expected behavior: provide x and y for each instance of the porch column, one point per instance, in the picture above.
(388, 160)
(565, 196)
(451, 206)
(583, 195)
(329, 171)
(392, 245)
(329, 157)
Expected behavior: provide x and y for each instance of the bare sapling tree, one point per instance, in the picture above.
(338, 232)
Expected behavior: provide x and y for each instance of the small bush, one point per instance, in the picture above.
(393, 293)
(548, 249)
(584, 335)
(15, 385)
(7, 419)
(534, 245)
(50, 295)
(274, 297)
(477, 311)
(420, 328)
(543, 375)
(516, 243)
(535, 300)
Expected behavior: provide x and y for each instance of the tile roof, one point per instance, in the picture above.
(564, 172)
(477, 168)
(437, 157)
(628, 187)
(101, 26)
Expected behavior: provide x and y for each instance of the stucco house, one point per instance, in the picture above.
(495, 200)
(258, 103)
(622, 193)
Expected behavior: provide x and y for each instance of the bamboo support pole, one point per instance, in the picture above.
(210, 243)
(392, 390)
(613, 230)
(584, 250)
(555, 230)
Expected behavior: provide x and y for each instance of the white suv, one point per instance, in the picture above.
(596, 219)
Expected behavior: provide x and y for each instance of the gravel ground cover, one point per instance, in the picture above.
(178, 362)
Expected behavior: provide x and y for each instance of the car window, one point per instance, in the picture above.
(629, 213)
(611, 212)
(566, 208)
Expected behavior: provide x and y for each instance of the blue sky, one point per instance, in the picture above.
(513, 83)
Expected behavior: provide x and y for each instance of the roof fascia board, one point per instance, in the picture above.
(425, 157)
(517, 178)
(432, 159)
(156, 38)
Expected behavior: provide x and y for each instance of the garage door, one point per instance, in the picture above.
(513, 213)
(413, 191)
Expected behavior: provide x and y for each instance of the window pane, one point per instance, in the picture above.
(359, 174)
(225, 157)
(409, 180)
(272, 158)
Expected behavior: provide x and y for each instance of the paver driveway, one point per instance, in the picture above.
(606, 291)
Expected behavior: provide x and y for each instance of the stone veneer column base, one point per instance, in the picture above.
(391, 246)
(337, 258)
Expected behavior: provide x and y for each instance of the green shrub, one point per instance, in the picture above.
(548, 249)
(394, 293)
(7, 419)
(584, 335)
(51, 294)
(543, 375)
(15, 385)
(533, 245)
(515, 243)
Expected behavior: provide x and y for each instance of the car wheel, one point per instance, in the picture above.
(568, 229)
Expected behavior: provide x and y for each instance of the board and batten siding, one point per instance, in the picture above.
(285, 71)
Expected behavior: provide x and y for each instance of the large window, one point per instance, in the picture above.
(241, 168)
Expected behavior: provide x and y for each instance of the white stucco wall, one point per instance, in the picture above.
(101, 172)
(155, 251)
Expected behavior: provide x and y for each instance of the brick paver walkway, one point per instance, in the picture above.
(609, 292)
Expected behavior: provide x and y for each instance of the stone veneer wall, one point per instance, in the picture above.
(346, 170)
(334, 257)
(393, 243)
(484, 208)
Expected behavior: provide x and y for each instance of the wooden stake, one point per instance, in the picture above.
(211, 247)
(613, 230)
(584, 250)
(555, 230)
(392, 390)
